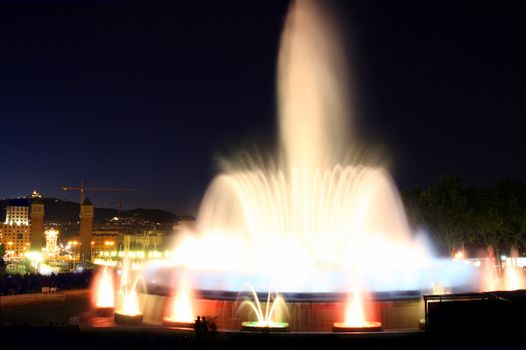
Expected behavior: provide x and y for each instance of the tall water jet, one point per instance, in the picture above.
(313, 92)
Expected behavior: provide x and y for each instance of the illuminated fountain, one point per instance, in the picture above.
(181, 312)
(104, 292)
(271, 319)
(316, 215)
(128, 312)
(316, 204)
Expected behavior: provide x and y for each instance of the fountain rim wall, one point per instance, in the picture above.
(289, 297)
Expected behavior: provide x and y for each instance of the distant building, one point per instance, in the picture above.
(104, 241)
(15, 231)
(35, 194)
(147, 240)
(37, 223)
(86, 229)
(17, 212)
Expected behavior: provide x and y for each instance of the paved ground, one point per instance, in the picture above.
(39, 309)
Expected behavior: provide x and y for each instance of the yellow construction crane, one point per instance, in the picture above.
(82, 188)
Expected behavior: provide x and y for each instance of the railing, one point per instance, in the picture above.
(456, 297)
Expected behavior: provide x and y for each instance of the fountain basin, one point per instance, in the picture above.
(127, 320)
(104, 311)
(257, 326)
(304, 315)
(370, 326)
(170, 322)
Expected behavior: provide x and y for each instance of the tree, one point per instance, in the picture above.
(444, 208)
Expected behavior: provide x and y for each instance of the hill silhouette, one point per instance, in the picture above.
(66, 211)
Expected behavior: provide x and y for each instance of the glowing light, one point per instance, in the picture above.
(47, 270)
(104, 289)
(103, 262)
(34, 256)
(459, 255)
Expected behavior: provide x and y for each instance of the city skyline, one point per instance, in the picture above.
(146, 96)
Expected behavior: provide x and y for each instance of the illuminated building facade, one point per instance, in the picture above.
(15, 231)
(17, 212)
(101, 241)
(104, 241)
(148, 240)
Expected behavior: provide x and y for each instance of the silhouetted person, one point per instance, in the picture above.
(197, 326)
(204, 325)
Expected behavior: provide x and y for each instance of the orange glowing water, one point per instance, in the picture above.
(181, 309)
(514, 275)
(104, 291)
(509, 277)
(358, 310)
(354, 312)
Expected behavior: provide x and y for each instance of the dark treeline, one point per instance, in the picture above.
(30, 283)
(456, 216)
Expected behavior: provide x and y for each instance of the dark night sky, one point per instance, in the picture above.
(146, 94)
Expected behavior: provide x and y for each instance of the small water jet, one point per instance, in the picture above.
(104, 292)
(129, 312)
(507, 277)
(181, 314)
(270, 320)
(357, 317)
(514, 276)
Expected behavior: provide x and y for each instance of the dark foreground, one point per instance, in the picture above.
(66, 322)
(72, 337)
